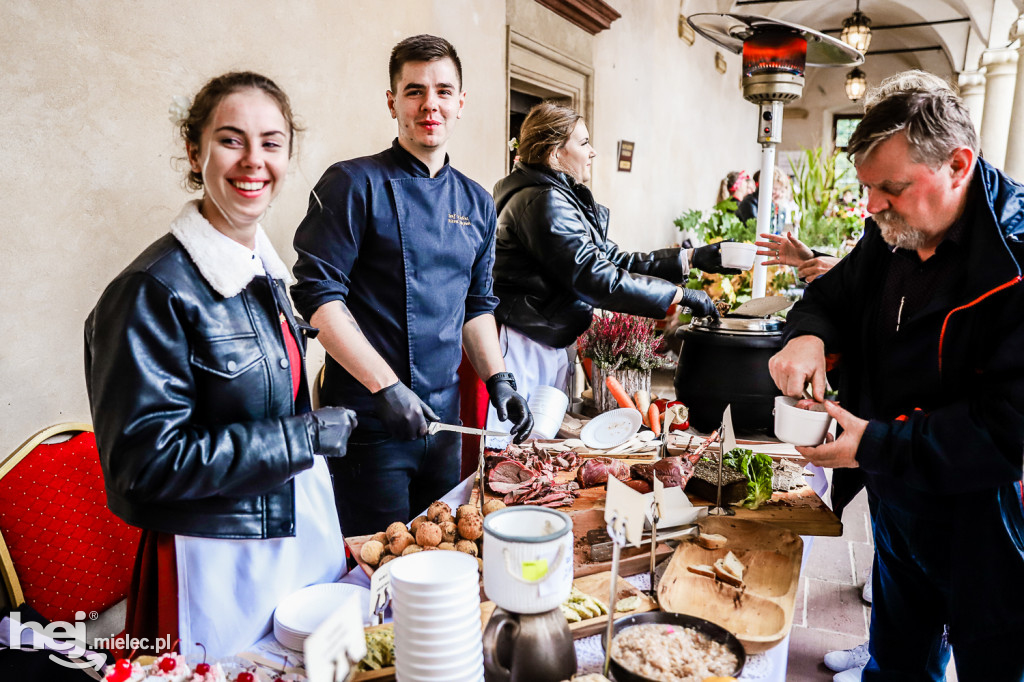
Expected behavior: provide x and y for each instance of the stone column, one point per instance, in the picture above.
(972, 92)
(1000, 67)
(1014, 165)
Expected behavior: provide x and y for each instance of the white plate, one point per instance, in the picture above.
(300, 613)
(612, 428)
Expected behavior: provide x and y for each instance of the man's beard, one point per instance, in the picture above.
(897, 232)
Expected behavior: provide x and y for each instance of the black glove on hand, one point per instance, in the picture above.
(510, 405)
(699, 303)
(403, 412)
(329, 429)
(709, 259)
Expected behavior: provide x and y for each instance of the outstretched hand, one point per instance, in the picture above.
(783, 249)
(840, 453)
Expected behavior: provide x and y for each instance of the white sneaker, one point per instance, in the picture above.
(866, 592)
(857, 657)
(851, 675)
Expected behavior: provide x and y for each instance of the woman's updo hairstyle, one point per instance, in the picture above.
(210, 96)
(545, 129)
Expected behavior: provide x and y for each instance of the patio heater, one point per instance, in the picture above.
(775, 56)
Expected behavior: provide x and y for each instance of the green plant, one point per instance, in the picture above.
(816, 190)
(620, 341)
(718, 224)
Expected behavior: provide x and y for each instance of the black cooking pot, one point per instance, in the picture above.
(725, 362)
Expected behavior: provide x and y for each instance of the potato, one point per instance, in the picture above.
(447, 545)
(493, 506)
(372, 552)
(467, 546)
(387, 558)
(414, 525)
(439, 511)
(400, 542)
(471, 527)
(380, 537)
(396, 528)
(429, 534)
(411, 549)
(465, 509)
(449, 531)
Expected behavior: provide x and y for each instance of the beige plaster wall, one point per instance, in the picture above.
(88, 147)
(690, 123)
(90, 178)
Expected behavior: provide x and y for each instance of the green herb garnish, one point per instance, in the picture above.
(758, 470)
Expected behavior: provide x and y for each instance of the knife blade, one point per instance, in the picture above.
(434, 427)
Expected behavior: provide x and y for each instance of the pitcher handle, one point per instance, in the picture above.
(515, 575)
(492, 639)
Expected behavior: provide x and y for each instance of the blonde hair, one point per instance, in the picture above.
(545, 129)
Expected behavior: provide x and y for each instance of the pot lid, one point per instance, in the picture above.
(730, 30)
(739, 325)
(762, 307)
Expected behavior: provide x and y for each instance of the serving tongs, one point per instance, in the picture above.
(434, 427)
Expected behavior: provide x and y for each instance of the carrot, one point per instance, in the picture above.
(618, 392)
(643, 402)
(655, 417)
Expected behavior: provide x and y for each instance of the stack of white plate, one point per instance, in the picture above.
(435, 599)
(302, 612)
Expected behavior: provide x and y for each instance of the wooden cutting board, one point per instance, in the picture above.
(598, 586)
(760, 614)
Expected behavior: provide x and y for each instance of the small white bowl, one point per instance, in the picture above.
(738, 255)
(797, 426)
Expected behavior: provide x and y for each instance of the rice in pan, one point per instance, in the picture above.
(671, 653)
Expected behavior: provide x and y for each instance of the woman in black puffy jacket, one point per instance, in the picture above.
(554, 262)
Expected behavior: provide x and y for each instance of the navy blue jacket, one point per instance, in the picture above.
(925, 451)
(411, 258)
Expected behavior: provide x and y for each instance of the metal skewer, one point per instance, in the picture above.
(655, 517)
(617, 532)
(718, 509)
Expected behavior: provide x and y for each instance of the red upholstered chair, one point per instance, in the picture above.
(61, 549)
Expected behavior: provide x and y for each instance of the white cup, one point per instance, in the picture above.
(548, 405)
(799, 427)
(738, 255)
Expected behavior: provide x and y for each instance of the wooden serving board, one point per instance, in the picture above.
(760, 614)
(598, 586)
(632, 560)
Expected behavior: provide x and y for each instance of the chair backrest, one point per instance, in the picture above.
(61, 549)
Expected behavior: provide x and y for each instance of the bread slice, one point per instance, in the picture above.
(702, 569)
(729, 570)
(711, 540)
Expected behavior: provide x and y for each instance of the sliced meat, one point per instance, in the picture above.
(671, 471)
(508, 475)
(597, 470)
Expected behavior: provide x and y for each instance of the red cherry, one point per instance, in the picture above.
(245, 677)
(167, 664)
(203, 668)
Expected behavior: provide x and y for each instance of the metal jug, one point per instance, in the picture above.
(534, 647)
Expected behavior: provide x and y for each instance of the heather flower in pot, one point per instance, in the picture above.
(623, 346)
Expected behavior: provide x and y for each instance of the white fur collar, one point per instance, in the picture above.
(218, 263)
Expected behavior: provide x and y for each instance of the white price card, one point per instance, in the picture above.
(338, 643)
(659, 498)
(629, 506)
(380, 590)
(728, 435)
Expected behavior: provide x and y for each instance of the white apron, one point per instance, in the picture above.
(228, 589)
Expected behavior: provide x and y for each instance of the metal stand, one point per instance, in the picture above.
(617, 532)
(480, 473)
(718, 509)
(655, 517)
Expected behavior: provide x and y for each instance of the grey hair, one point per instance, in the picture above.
(914, 79)
(935, 122)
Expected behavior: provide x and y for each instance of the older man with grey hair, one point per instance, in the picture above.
(927, 316)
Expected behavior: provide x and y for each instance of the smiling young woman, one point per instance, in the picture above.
(197, 386)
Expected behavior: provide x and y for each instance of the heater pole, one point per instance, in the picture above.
(769, 134)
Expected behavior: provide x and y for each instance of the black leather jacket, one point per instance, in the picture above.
(554, 262)
(192, 400)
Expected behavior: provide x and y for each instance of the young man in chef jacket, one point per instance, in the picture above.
(927, 316)
(394, 268)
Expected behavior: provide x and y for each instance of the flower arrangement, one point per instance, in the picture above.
(617, 341)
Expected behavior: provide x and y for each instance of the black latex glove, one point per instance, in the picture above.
(329, 429)
(709, 259)
(403, 412)
(699, 303)
(510, 405)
